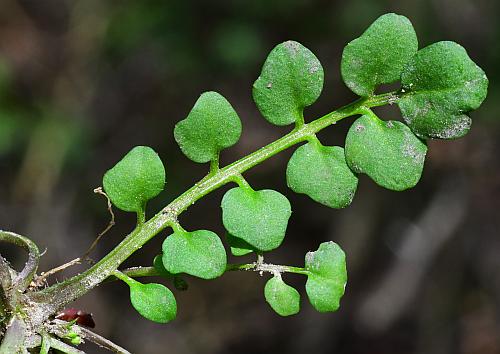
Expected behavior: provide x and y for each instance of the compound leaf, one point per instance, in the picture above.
(283, 299)
(322, 173)
(212, 125)
(442, 84)
(326, 282)
(388, 152)
(291, 79)
(257, 217)
(198, 253)
(135, 179)
(153, 301)
(379, 54)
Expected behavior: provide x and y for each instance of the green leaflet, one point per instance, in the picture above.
(291, 79)
(322, 173)
(238, 246)
(283, 299)
(326, 282)
(198, 253)
(388, 152)
(153, 301)
(257, 217)
(442, 84)
(212, 125)
(379, 54)
(135, 179)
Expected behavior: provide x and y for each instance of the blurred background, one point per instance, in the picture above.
(82, 82)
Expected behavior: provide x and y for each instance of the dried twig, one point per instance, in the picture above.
(44, 275)
(103, 232)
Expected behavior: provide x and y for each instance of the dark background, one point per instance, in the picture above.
(82, 82)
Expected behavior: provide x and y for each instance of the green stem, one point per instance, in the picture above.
(176, 227)
(136, 272)
(63, 347)
(141, 216)
(59, 328)
(300, 121)
(124, 278)
(242, 183)
(214, 165)
(61, 294)
(265, 267)
(45, 347)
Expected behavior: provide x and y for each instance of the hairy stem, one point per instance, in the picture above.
(139, 272)
(214, 165)
(60, 294)
(13, 341)
(24, 278)
(266, 267)
(5, 286)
